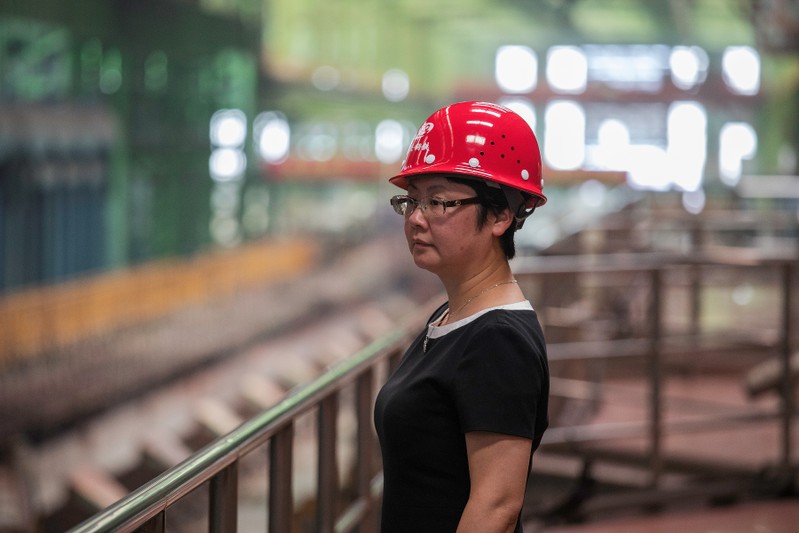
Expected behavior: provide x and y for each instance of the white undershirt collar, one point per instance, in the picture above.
(435, 331)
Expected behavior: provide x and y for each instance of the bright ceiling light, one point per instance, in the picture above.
(228, 128)
(737, 141)
(648, 168)
(273, 136)
(567, 69)
(396, 85)
(325, 78)
(694, 201)
(516, 69)
(389, 137)
(564, 135)
(687, 144)
(613, 142)
(688, 65)
(227, 164)
(740, 68)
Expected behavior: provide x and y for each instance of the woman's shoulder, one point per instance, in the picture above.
(509, 315)
(512, 320)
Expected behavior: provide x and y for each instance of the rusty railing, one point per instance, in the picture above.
(652, 271)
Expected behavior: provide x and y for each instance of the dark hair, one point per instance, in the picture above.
(493, 200)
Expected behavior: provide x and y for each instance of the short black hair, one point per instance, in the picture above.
(492, 199)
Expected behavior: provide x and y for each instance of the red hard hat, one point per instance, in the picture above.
(477, 140)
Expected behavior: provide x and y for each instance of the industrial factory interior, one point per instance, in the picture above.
(203, 284)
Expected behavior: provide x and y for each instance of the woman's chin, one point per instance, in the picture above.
(423, 261)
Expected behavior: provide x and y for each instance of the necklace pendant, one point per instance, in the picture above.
(424, 345)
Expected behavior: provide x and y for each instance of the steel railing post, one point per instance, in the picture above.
(156, 524)
(223, 500)
(366, 449)
(281, 499)
(655, 375)
(327, 471)
(786, 379)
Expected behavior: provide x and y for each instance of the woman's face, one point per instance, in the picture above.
(448, 243)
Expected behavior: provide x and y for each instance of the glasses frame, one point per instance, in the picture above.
(424, 203)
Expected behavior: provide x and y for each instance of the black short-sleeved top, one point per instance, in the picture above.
(487, 372)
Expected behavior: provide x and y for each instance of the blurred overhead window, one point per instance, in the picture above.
(326, 78)
(516, 69)
(396, 85)
(317, 141)
(628, 67)
(567, 69)
(272, 136)
(564, 135)
(737, 141)
(740, 68)
(228, 128)
(687, 144)
(227, 166)
(688, 66)
(389, 141)
(613, 142)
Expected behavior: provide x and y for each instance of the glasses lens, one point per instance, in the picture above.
(401, 204)
(435, 206)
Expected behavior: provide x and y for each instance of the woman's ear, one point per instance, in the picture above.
(502, 221)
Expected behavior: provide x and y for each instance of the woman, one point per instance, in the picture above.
(460, 418)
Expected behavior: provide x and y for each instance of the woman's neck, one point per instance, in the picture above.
(487, 289)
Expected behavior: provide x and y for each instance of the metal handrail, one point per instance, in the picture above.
(654, 345)
(217, 463)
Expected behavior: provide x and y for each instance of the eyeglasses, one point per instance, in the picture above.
(405, 205)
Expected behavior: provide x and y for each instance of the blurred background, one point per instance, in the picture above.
(133, 131)
(184, 183)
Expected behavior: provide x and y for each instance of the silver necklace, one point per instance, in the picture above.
(462, 307)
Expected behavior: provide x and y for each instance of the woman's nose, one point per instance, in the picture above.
(416, 217)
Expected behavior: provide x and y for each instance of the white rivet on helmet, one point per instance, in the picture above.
(474, 162)
(429, 159)
(525, 175)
